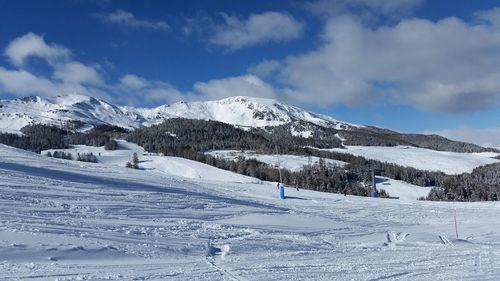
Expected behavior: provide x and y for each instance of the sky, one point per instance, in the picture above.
(406, 65)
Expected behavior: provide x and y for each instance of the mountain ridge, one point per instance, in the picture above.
(270, 117)
(239, 110)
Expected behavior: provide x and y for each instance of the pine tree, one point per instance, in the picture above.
(135, 161)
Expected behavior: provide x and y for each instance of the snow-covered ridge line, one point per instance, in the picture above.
(240, 111)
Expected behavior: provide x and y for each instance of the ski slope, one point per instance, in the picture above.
(451, 163)
(289, 162)
(166, 165)
(68, 220)
(402, 190)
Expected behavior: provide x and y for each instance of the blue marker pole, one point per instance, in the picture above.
(282, 191)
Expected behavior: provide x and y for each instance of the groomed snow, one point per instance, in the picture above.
(68, 220)
(402, 190)
(289, 162)
(420, 158)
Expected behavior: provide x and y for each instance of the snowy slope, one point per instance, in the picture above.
(403, 190)
(165, 165)
(241, 111)
(289, 162)
(421, 158)
(66, 220)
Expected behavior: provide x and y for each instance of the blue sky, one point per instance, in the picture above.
(406, 65)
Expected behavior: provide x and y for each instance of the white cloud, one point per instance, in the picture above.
(265, 68)
(445, 66)
(76, 72)
(128, 19)
(247, 85)
(68, 76)
(364, 9)
(32, 45)
(257, 29)
(21, 83)
(490, 16)
(134, 82)
(489, 137)
(135, 90)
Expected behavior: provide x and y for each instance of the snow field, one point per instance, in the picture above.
(67, 220)
(451, 163)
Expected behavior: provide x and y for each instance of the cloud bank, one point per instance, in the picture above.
(445, 66)
(489, 137)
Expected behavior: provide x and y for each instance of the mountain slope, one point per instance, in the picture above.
(240, 111)
(62, 111)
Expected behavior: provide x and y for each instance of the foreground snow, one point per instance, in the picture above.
(66, 220)
(424, 159)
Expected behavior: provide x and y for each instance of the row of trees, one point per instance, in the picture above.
(102, 135)
(83, 157)
(37, 138)
(43, 137)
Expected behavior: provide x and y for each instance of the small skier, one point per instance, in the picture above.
(278, 185)
(494, 197)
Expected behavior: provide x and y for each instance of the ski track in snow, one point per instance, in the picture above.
(67, 220)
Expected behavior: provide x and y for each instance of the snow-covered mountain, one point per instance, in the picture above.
(58, 111)
(241, 111)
